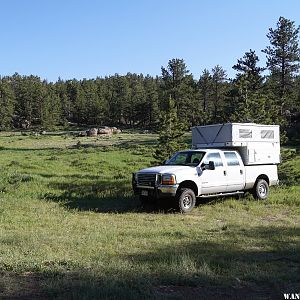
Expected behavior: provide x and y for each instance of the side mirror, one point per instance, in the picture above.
(211, 165)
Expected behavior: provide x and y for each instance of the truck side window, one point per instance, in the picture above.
(196, 158)
(231, 159)
(216, 158)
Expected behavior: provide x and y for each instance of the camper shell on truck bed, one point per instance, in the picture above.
(257, 144)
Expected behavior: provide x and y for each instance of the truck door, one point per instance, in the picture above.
(214, 181)
(234, 172)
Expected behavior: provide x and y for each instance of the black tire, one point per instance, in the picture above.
(186, 200)
(146, 202)
(261, 190)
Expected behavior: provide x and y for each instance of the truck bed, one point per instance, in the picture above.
(253, 171)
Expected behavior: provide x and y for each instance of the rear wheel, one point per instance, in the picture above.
(186, 200)
(261, 190)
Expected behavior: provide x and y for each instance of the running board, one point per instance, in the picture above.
(221, 194)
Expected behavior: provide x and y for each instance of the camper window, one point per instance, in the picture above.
(267, 134)
(245, 133)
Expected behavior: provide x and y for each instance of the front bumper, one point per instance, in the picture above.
(157, 192)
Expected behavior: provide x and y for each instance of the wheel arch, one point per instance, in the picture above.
(190, 185)
(262, 176)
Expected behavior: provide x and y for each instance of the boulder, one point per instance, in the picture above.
(92, 132)
(116, 130)
(83, 133)
(105, 130)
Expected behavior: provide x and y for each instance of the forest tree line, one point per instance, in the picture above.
(262, 94)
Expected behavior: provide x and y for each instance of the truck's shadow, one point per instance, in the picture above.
(107, 196)
(94, 195)
(101, 196)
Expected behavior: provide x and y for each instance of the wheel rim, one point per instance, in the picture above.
(187, 202)
(262, 190)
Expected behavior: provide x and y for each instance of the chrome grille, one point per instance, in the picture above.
(146, 179)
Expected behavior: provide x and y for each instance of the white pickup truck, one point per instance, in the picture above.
(210, 172)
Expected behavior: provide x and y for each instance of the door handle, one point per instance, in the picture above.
(225, 173)
(241, 172)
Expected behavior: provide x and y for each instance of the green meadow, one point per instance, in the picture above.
(70, 228)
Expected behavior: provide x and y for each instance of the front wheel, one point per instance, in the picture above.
(186, 200)
(261, 190)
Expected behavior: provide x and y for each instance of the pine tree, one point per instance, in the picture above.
(102, 90)
(151, 108)
(23, 95)
(283, 56)
(94, 106)
(7, 103)
(119, 96)
(246, 97)
(170, 133)
(61, 91)
(205, 85)
(133, 108)
(219, 78)
(51, 110)
(249, 71)
(30, 93)
(179, 84)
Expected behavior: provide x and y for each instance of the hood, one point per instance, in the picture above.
(166, 169)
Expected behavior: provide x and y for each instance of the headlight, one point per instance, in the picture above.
(168, 179)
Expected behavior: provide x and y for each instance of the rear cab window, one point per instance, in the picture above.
(231, 159)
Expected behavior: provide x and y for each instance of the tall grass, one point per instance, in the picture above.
(70, 228)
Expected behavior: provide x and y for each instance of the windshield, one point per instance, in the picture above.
(186, 158)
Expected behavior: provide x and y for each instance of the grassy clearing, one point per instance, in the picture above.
(70, 228)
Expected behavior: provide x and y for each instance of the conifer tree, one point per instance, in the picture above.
(61, 91)
(6, 105)
(170, 133)
(283, 56)
(79, 102)
(219, 78)
(205, 85)
(247, 102)
(51, 110)
(249, 71)
(119, 96)
(151, 109)
(179, 84)
(94, 107)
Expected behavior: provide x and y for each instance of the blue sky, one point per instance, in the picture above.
(85, 39)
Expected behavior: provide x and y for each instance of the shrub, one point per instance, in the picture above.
(287, 171)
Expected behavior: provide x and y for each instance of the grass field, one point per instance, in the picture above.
(70, 228)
